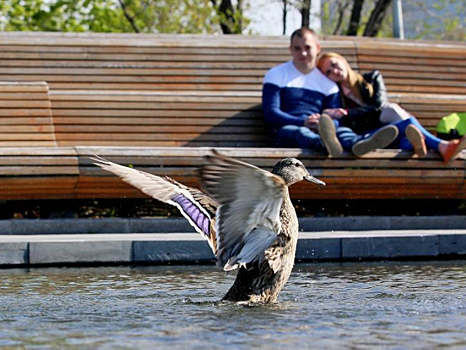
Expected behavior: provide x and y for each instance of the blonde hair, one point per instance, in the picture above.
(355, 80)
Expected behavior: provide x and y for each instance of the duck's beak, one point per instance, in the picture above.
(314, 180)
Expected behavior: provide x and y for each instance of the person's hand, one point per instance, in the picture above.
(312, 121)
(336, 113)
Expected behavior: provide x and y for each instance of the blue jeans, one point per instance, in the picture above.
(432, 142)
(303, 137)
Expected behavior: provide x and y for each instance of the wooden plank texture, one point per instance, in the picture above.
(25, 115)
(160, 102)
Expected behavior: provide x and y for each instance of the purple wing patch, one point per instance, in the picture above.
(201, 220)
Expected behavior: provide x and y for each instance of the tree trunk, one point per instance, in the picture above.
(355, 17)
(226, 12)
(376, 18)
(342, 6)
(285, 12)
(306, 13)
(239, 9)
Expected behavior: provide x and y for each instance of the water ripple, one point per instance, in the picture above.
(325, 306)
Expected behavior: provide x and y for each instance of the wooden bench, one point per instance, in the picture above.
(157, 101)
(31, 164)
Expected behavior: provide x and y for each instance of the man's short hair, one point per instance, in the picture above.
(303, 31)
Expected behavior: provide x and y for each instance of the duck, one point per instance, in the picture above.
(244, 212)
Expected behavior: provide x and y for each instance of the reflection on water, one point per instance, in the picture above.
(324, 306)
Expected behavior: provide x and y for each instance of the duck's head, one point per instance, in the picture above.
(292, 171)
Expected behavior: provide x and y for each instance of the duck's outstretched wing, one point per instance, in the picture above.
(198, 208)
(248, 218)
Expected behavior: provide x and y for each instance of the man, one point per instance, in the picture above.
(300, 104)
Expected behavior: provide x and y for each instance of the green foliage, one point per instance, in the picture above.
(236, 20)
(331, 10)
(148, 16)
(444, 20)
(175, 16)
(326, 19)
(439, 19)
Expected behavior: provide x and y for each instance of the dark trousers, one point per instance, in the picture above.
(303, 137)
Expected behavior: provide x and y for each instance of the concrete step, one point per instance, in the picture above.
(180, 247)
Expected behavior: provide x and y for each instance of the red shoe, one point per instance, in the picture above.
(453, 149)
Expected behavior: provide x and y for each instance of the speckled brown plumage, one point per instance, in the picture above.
(246, 216)
(261, 280)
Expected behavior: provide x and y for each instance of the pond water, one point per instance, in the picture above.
(324, 306)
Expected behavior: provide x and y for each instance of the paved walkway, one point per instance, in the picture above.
(161, 248)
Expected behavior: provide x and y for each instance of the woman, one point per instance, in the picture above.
(365, 98)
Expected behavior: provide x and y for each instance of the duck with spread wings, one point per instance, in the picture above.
(246, 216)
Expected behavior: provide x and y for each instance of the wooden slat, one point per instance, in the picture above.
(232, 120)
(147, 143)
(28, 143)
(24, 137)
(157, 105)
(5, 114)
(38, 187)
(82, 112)
(159, 129)
(134, 73)
(155, 86)
(23, 96)
(39, 151)
(41, 128)
(38, 161)
(37, 170)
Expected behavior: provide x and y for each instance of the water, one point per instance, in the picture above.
(324, 306)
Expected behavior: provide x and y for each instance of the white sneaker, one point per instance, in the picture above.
(328, 134)
(380, 139)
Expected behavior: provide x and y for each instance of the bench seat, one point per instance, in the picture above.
(68, 173)
(381, 174)
(38, 172)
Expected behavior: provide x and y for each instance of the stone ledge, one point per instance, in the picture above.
(175, 225)
(177, 248)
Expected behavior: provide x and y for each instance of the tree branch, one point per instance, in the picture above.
(128, 17)
(428, 11)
